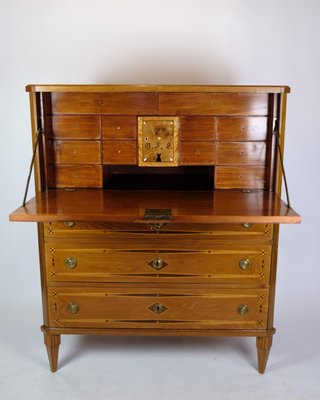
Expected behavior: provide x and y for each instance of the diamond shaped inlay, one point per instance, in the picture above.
(157, 263)
(157, 308)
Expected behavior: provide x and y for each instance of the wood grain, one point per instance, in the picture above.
(109, 307)
(119, 128)
(241, 128)
(120, 152)
(73, 127)
(219, 206)
(216, 104)
(238, 177)
(197, 153)
(248, 153)
(75, 152)
(197, 128)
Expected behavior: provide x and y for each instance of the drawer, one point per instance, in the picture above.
(73, 127)
(120, 152)
(75, 151)
(157, 308)
(119, 128)
(240, 177)
(241, 128)
(197, 128)
(82, 229)
(75, 176)
(248, 153)
(213, 104)
(221, 264)
(105, 103)
(198, 153)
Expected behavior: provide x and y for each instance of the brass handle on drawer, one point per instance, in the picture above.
(157, 308)
(247, 225)
(69, 224)
(73, 308)
(245, 264)
(243, 309)
(70, 262)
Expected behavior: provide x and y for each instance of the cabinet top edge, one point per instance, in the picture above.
(158, 88)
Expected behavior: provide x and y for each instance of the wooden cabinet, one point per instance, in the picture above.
(182, 243)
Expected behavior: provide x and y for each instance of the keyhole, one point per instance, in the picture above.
(158, 157)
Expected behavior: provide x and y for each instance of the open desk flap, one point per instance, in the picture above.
(219, 206)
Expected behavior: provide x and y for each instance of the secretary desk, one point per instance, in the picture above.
(158, 209)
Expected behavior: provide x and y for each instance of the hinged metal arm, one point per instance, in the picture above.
(277, 134)
(35, 147)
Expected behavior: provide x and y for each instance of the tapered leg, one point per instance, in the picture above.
(52, 343)
(263, 349)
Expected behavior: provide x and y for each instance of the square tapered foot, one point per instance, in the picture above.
(263, 349)
(52, 343)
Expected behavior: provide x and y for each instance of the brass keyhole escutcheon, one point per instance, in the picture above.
(73, 308)
(157, 263)
(69, 224)
(243, 309)
(245, 264)
(157, 308)
(70, 262)
(156, 226)
(247, 225)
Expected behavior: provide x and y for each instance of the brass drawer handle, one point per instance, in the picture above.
(247, 225)
(157, 308)
(70, 262)
(243, 309)
(69, 224)
(73, 308)
(245, 264)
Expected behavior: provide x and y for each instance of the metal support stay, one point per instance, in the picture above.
(277, 134)
(35, 147)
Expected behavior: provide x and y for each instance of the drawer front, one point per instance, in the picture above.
(75, 151)
(120, 152)
(75, 176)
(213, 104)
(240, 177)
(82, 229)
(105, 103)
(248, 153)
(130, 307)
(73, 127)
(232, 264)
(157, 308)
(119, 128)
(198, 153)
(197, 128)
(242, 129)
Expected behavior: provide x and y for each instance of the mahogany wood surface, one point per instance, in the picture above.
(219, 206)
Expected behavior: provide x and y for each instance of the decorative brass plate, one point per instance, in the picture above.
(158, 141)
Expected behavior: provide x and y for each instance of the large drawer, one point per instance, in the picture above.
(78, 229)
(131, 307)
(241, 264)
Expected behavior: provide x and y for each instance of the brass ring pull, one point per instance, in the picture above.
(247, 225)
